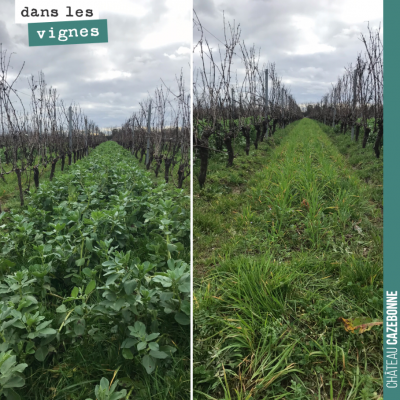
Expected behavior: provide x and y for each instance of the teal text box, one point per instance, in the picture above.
(68, 32)
(391, 196)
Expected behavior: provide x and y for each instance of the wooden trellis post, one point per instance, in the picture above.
(148, 136)
(266, 103)
(354, 103)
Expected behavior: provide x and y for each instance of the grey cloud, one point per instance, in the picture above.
(134, 71)
(206, 7)
(4, 36)
(281, 28)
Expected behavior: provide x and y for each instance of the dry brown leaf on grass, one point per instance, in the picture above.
(359, 324)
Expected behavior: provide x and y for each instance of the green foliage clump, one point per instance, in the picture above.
(94, 277)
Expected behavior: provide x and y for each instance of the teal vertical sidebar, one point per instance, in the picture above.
(391, 198)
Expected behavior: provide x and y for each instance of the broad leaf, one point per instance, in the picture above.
(149, 363)
(11, 394)
(46, 331)
(8, 364)
(182, 318)
(158, 354)
(127, 343)
(141, 345)
(80, 262)
(15, 381)
(185, 307)
(41, 353)
(127, 354)
(152, 336)
(74, 292)
(184, 287)
(130, 286)
(43, 325)
(79, 327)
(154, 346)
(61, 309)
(90, 287)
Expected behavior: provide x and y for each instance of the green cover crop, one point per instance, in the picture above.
(95, 268)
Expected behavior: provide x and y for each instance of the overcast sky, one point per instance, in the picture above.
(310, 41)
(147, 40)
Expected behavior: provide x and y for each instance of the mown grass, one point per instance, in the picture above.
(279, 261)
(367, 167)
(216, 204)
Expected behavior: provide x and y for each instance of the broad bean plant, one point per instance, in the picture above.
(99, 253)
